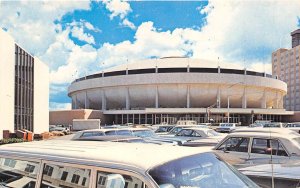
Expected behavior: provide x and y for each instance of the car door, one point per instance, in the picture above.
(266, 150)
(234, 150)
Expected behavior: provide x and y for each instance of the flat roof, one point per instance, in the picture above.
(137, 155)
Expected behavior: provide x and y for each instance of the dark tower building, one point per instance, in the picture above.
(295, 38)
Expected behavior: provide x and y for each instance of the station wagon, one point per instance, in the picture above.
(78, 164)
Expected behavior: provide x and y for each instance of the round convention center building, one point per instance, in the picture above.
(173, 88)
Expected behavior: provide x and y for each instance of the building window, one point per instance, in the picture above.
(10, 162)
(75, 178)
(101, 180)
(64, 176)
(83, 181)
(29, 168)
(48, 170)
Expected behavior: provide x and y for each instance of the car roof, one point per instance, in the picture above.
(198, 128)
(139, 129)
(136, 155)
(265, 130)
(282, 134)
(107, 138)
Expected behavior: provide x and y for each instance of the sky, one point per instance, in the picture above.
(77, 38)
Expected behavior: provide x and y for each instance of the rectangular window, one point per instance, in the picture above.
(75, 178)
(237, 144)
(83, 181)
(267, 147)
(48, 170)
(29, 168)
(65, 176)
(10, 162)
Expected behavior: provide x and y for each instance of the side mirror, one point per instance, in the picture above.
(115, 180)
(225, 150)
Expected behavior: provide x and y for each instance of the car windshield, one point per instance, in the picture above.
(200, 170)
(271, 125)
(143, 133)
(118, 132)
(175, 130)
(163, 129)
(213, 133)
(226, 125)
(292, 125)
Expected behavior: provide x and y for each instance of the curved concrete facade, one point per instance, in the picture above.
(178, 90)
(177, 83)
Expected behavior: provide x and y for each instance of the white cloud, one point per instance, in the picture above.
(77, 32)
(81, 61)
(60, 106)
(129, 24)
(117, 8)
(31, 23)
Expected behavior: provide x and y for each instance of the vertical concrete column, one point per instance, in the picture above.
(103, 100)
(276, 101)
(127, 99)
(219, 69)
(75, 102)
(188, 105)
(86, 101)
(263, 102)
(244, 102)
(156, 97)
(219, 97)
(281, 101)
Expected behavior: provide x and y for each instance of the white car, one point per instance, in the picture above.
(60, 128)
(294, 126)
(244, 148)
(92, 164)
(226, 127)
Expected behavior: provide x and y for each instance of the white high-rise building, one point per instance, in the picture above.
(24, 93)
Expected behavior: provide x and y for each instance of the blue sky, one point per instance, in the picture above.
(83, 37)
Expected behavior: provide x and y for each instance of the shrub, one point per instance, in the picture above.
(11, 140)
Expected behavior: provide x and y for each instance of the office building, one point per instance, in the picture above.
(24, 97)
(285, 65)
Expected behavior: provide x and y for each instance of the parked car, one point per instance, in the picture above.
(132, 165)
(149, 135)
(195, 133)
(178, 128)
(60, 128)
(112, 138)
(244, 148)
(199, 137)
(274, 125)
(101, 132)
(226, 127)
(294, 126)
(163, 128)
